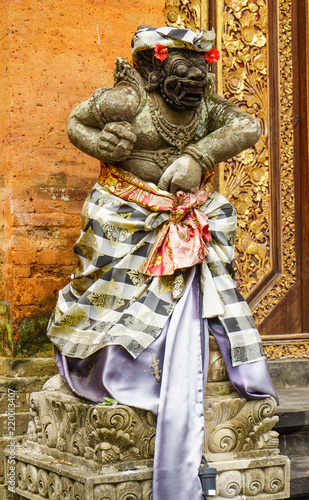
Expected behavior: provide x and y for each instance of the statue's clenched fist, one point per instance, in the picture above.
(184, 174)
(115, 142)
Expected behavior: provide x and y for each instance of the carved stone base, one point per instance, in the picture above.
(262, 479)
(90, 435)
(76, 450)
(238, 428)
(240, 443)
(39, 477)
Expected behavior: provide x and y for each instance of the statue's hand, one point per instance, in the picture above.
(115, 142)
(184, 174)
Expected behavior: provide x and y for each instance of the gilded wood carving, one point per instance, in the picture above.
(192, 14)
(294, 350)
(287, 252)
(242, 37)
(245, 178)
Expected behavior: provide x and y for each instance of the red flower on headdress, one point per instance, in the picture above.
(161, 52)
(212, 56)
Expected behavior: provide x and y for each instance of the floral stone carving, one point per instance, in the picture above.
(238, 427)
(101, 435)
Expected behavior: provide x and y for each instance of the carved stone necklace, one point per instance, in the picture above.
(175, 135)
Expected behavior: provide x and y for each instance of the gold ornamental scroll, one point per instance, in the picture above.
(265, 264)
(191, 14)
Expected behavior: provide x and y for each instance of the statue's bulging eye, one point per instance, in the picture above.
(181, 70)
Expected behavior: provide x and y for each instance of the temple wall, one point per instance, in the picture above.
(53, 55)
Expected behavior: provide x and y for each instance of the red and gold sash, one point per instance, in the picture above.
(182, 240)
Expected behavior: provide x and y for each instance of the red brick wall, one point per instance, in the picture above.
(54, 53)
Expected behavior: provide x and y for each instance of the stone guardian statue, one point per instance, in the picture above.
(156, 274)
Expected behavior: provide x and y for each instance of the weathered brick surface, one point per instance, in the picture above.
(19, 368)
(52, 56)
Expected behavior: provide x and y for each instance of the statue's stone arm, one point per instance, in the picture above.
(100, 126)
(231, 131)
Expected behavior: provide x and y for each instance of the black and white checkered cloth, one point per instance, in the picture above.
(109, 301)
(173, 38)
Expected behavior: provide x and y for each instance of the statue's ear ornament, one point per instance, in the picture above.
(153, 81)
(212, 56)
(160, 52)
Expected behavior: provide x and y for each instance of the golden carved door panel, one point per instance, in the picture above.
(256, 72)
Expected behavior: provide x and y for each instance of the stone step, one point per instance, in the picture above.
(293, 425)
(294, 404)
(299, 478)
(293, 428)
(289, 373)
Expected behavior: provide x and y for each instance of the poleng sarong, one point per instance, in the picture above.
(137, 247)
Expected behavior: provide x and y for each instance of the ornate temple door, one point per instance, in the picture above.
(263, 70)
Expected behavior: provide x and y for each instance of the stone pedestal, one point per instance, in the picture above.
(76, 450)
(239, 441)
(81, 451)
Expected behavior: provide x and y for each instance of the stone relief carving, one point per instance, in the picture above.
(255, 482)
(40, 483)
(265, 481)
(100, 434)
(235, 425)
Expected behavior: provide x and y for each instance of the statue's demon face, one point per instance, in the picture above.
(183, 79)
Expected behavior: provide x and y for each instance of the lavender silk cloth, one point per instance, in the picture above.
(182, 349)
(252, 380)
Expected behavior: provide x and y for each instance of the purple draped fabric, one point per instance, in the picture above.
(252, 380)
(182, 351)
